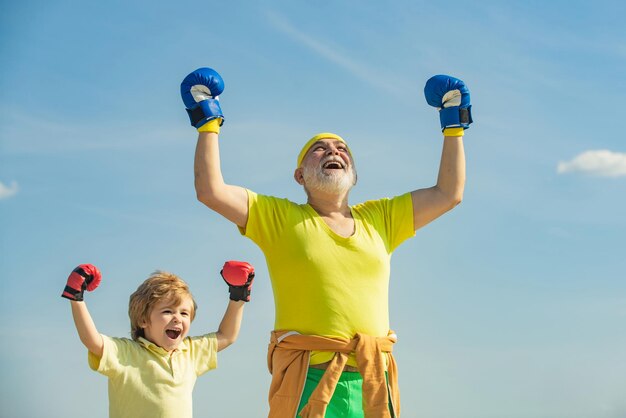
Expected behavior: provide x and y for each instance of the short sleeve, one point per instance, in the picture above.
(204, 352)
(107, 364)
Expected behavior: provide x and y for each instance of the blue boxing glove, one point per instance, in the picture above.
(452, 98)
(200, 91)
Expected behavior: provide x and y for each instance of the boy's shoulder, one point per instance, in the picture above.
(121, 343)
(126, 346)
(209, 338)
(206, 344)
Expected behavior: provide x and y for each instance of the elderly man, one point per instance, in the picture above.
(329, 261)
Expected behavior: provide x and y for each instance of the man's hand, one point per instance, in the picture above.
(239, 276)
(452, 98)
(200, 91)
(83, 277)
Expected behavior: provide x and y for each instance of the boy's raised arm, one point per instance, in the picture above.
(228, 331)
(84, 277)
(239, 276)
(86, 328)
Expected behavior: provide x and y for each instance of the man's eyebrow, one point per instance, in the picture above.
(322, 142)
(313, 145)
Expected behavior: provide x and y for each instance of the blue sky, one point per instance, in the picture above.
(511, 306)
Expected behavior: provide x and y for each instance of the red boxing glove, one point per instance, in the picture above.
(83, 277)
(239, 276)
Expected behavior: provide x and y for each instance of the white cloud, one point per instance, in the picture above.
(8, 191)
(596, 162)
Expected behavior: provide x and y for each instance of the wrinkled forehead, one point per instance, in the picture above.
(320, 138)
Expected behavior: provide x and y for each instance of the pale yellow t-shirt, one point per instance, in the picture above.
(325, 284)
(145, 381)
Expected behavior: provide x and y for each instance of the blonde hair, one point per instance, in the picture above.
(161, 285)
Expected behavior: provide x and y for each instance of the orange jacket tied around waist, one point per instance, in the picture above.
(288, 361)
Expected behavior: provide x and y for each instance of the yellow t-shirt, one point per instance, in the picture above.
(145, 381)
(325, 284)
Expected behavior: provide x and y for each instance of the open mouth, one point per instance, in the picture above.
(332, 165)
(173, 333)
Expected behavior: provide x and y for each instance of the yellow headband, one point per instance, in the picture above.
(316, 138)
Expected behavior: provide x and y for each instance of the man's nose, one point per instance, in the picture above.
(332, 150)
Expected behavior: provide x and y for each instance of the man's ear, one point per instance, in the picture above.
(297, 176)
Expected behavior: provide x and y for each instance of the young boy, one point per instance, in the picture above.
(153, 374)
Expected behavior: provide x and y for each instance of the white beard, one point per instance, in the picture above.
(331, 181)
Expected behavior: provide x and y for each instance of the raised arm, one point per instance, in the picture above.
(229, 201)
(200, 91)
(84, 277)
(87, 331)
(228, 330)
(430, 203)
(451, 97)
(239, 276)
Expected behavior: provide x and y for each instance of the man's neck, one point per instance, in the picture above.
(335, 212)
(330, 205)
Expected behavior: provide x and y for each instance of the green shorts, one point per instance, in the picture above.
(347, 400)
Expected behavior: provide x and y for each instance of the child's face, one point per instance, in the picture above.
(169, 323)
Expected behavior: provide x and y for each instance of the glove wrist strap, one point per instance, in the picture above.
(455, 117)
(239, 293)
(205, 111)
(72, 294)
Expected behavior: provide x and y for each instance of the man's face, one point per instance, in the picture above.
(169, 323)
(327, 167)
